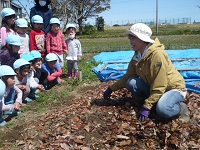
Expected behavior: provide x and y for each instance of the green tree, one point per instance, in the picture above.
(78, 11)
(100, 23)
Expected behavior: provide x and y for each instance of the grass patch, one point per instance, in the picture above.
(98, 45)
(116, 44)
(115, 32)
(86, 66)
(113, 38)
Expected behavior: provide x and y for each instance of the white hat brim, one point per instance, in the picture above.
(23, 26)
(141, 37)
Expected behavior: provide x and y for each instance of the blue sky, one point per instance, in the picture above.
(123, 11)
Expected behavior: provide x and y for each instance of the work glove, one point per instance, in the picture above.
(107, 93)
(144, 114)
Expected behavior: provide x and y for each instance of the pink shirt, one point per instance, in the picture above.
(4, 33)
(55, 43)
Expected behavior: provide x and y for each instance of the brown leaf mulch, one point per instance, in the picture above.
(91, 122)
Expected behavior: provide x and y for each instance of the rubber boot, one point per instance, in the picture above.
(69, 75)
(75, 75)
(46, 86)
(184, 113)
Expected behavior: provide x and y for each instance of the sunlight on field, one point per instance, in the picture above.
(122, 43)
(166, 26)
(182, 36)
(117, 28)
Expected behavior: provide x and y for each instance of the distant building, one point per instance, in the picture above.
(15, 7)
(195, 22)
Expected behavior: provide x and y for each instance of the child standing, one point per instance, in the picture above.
(9, 52)
(8, 24)
(12, 98)
(74, 51)
(22, 26)
(41, 8)
(37, 35)
(55, 41)
(54, 70)
(2, 92)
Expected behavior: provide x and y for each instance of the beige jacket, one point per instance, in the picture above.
(157, 71)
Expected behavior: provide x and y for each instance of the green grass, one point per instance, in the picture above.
(98, 45)
(122, 43)
(113, 38)
(115, 32)
(86, 66)
(184, 29)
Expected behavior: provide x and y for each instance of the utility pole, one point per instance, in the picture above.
(156, 16)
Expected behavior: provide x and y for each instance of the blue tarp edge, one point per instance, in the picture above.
(191, 60)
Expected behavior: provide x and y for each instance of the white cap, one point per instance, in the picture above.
(6, 70)
(20, 62)
(142, 31)
(37, 19)
(70, 25)
(21, 22)
(51, 57)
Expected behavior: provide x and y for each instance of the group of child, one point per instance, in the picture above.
(33, 63)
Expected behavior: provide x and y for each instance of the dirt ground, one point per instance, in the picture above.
(87, 121)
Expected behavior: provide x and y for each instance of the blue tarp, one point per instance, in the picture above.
(114, 65)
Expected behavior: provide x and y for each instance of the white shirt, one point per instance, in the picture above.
(24, 48)
(74, 49)
(28, 80)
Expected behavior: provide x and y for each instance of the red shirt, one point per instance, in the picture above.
(55, 43)
(37, 39)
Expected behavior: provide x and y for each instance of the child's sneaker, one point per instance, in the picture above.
(14, 112)
(3, 123)
(28, 100)
(46, 86)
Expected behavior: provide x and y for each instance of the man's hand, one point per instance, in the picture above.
(107, 93)
(144, 113)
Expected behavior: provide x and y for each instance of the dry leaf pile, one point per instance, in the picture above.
(93, 123)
